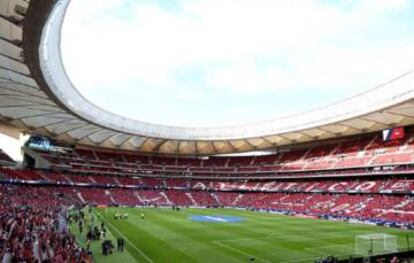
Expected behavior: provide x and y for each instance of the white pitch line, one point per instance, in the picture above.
(240, 251)
(132, 244)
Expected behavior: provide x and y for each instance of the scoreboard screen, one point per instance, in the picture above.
(39, 142)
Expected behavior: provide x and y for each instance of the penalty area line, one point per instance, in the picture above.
(218, 243)
(132, 244)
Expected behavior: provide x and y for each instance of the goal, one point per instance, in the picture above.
(375, 244)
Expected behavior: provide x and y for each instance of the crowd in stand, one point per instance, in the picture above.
(375, 207)
(33, 228)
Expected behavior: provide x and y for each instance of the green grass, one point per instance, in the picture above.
(170, 236)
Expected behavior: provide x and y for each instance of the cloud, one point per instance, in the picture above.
(198, 50)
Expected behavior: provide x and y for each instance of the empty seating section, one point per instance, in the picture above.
(124, 197)
(393, 158)
(80, 179)
(228, 199)
(152, 197)
(177, 183)
(110, 157)
(349, 154)
(293, 156)
(179, 198)
(215, 162)
(55, 177)
(21, 174)
(240, 161)
(321, 152)
(96, 196)
(188, 162)
(102, 179)
(385, 146)
(320, 164)
(128, 180)
(358, 185)
(351, 148)
(87, 154)
(203, 199)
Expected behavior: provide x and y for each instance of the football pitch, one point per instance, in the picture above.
(227, 235)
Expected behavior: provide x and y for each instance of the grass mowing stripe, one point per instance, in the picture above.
(122, 235)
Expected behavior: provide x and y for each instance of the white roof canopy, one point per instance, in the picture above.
(38, 97)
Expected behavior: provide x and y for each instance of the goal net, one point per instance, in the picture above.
(375, 244)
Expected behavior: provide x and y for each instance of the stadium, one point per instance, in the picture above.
(333, 184)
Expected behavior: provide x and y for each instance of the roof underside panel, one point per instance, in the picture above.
(169, 147)
(187, 147)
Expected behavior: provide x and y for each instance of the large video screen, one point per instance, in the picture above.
(39, 142)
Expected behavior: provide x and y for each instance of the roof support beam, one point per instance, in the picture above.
(87, 134)
(376, 122)
(398, 114)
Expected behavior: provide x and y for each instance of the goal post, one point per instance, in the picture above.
(375, 244)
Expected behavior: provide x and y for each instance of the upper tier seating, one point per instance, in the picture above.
(358, 185)
(353, 153)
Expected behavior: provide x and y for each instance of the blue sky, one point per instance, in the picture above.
(221, 62)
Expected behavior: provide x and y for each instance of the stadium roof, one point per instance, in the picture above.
(38, 97)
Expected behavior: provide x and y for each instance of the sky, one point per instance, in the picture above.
(12, 146)
(227, 62)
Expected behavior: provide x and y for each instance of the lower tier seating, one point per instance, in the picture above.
(31, 226)
(31, 216)
(394, 208)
